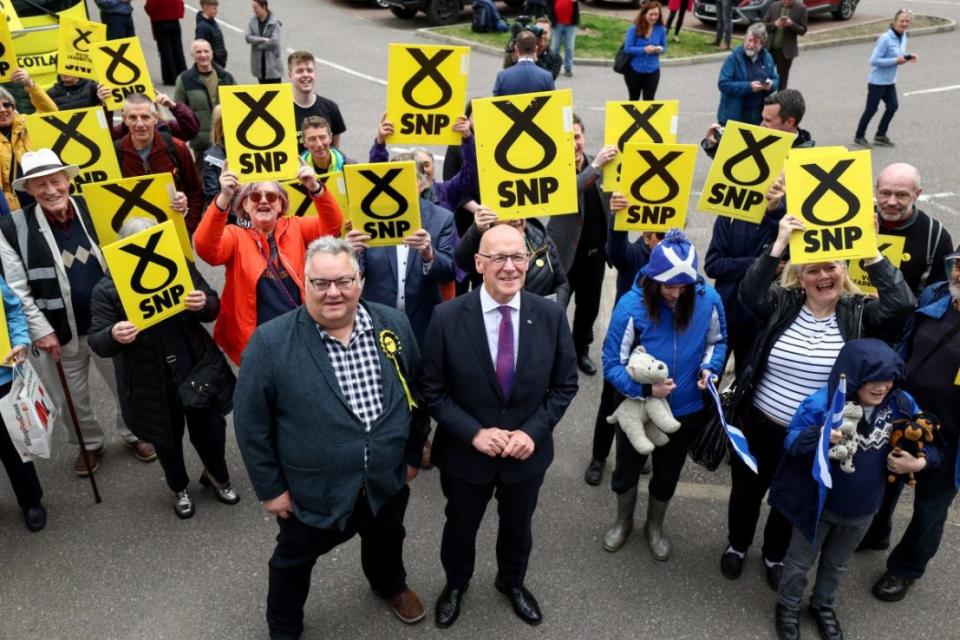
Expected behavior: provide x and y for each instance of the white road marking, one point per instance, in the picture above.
(219, 21)
(952, 87)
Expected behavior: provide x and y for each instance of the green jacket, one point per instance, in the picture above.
(191, 91)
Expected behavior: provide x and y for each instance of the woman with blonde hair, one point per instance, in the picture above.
(805, 320)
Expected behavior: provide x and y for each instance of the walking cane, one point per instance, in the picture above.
(76, 430)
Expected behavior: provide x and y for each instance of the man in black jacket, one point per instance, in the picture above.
(209, 30)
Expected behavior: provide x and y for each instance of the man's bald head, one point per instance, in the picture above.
(501, 235)
(900, 171)
(897, 191)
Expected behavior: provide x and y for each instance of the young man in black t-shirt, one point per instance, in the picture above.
(302, 71)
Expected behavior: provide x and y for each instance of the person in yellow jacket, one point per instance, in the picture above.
(14, 141)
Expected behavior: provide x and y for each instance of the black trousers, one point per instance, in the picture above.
(299, 545)
(466, 504)
(740, 337)
(783, 67)
(603, 431)
(23, 475)
(765, 439)
(682, 11)
(586, 283)
(641, 84)
(170, 47)
(668, 460)
(207, 431)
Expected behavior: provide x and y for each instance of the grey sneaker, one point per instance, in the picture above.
(862, 142)
(183, 504)
(225, 492)
(882, 141)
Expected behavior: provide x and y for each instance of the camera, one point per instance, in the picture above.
(524, 23)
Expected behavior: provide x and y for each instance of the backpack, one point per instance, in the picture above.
(482, 18)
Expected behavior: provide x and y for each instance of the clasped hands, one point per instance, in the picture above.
(493, 441)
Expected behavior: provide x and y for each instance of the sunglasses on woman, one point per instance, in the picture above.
(257, 196)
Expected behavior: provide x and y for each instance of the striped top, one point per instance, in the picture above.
(799, 364)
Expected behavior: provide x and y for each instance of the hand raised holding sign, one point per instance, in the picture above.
(22, 77)
(605, 155)
(308, 178)
(103, 92)
(788, 224)
(164, 100)
(229, 183)
(356, 238)
(775, 193)
(484, 218)
(124, 332)
(196, 300)
(420, 242)
(463, 126)
(385, 130)
(618, 201)
(180, 203)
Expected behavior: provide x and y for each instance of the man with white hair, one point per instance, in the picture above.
(52, 261)
(747, 77)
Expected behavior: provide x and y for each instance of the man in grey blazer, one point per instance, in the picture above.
(330, 434)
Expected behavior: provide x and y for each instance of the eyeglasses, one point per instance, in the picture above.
(498, 259)
(7, 105)
(344, 285)
(257, 196)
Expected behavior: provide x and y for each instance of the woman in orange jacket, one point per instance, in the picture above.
(264, 253)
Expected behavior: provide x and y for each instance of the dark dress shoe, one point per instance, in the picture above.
(524, 604)
(448, 606)
(594, 473)
(35, 518)
(731, 564)
(827, 623)
(788, 623)
(873, 545)
(586, 365)
(891, 588)
(774, 574)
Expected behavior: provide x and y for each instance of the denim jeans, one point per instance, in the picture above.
(876, 93)
(564, 35)
(837, 538)
(724, 20)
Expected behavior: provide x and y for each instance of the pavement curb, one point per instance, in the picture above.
(429, 34)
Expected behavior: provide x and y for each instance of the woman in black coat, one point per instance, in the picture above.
(149, 365)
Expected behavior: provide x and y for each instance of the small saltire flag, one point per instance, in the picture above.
(737, 439)
(821, 463)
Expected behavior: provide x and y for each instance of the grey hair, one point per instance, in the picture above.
(332, 246)
(139, 98)
(758, 31)
(5, 95)
(411, 156)
(135, 225)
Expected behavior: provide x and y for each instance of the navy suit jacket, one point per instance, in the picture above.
(422, 290)
(459, 386)
(523, 77)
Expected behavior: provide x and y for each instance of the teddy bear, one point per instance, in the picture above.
(647, 421)
(912, 435)
(849, 442)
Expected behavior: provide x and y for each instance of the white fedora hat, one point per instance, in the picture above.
(42, 162)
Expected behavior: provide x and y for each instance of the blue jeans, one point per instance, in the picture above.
(724, 21)
(118, 25)
(876, 93)
(564, 34)
(837, 538)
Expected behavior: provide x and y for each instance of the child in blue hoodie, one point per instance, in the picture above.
(830, 523)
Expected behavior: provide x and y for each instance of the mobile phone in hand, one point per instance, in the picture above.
(908, 56)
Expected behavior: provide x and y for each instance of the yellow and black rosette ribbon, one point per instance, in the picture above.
(390, 345)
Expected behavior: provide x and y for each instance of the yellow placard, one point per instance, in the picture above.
(384, 200)
(656, 179)
(653, 122)
(426, 91)
(76, 38)
(956, 380)
(150, 273)
(120, 65)
(833, 195)
(800, 152)
(748, 159)
(8, 57)
(260, 131)
(301, 202)
(525, 154)
(80, 137)
(114, 202)
(5, 345)
(12, 20)
(892, 249)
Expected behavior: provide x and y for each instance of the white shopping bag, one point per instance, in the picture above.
(28, 413)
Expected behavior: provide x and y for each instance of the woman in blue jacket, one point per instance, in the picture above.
(23, 475)
(678, 319)
(645, 42)
(830, 523)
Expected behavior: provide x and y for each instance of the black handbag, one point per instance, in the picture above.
(621, 60)
(711, 447)
(209, 384)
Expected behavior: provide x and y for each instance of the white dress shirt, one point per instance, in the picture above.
(491, 322)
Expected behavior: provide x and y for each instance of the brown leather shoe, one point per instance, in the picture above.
(144, 451)
(85, 468)
(407, 607)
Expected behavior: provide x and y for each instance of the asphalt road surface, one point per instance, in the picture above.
(128, 568)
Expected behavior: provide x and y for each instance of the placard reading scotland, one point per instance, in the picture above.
(259, 131)
(150, 273)
(833, 195)
(748, 159)
(301, 202)
(80, 137)
(77, 36)
(384, 200)
(656, 180)
(892, 249)
(114, 202)
(652, 122)
(8, 57)
(120, 65)
(426, 91)
(525, 154)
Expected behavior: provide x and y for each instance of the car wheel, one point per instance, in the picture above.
(381, 3)
(442, 12)
(403, 12)
(845, 10)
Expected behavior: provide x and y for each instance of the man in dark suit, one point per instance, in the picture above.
(330, 450)
(525, 76)
(499, 372)
(785, 20)
(408, 277)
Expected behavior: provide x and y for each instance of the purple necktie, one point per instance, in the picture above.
(505, 351)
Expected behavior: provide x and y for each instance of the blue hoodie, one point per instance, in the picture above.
(794, 491)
